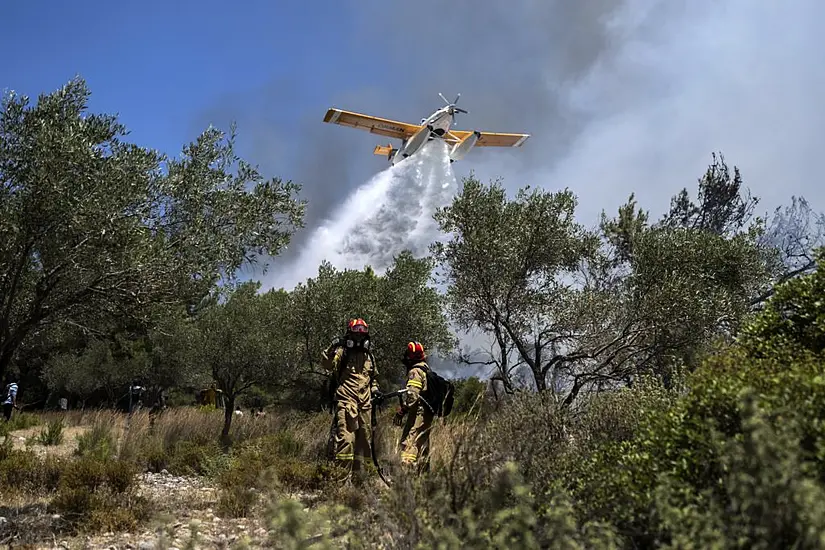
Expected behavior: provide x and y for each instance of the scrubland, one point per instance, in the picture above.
(730, 457)
(660, 382)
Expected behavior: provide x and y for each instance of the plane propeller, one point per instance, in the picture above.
(452, 105)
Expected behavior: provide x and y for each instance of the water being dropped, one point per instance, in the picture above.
(389, 213)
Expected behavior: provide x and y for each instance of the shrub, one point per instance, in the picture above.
(19, 421)
(52, 434)
(193, 458)
(469, 396)
(99, 495)
(267, 463)
(23, 472)
(99, 442)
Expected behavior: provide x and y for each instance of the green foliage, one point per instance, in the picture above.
(745, 441)
(19, 421)
(98, 443)
(240, 342)
(399, 306)
(502, 514)
(52, 434)
(587, 310)
(96, 227)
(270, 462)
(192, 458)
(92, 368)
(692, 275)
(101, 496)
(794, 317)
(469, 396)
(505, 263)
(22, 472)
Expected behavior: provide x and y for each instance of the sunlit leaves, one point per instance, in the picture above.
(95, 226)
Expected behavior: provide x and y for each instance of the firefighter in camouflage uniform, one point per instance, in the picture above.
(415, 438)
(353, 369)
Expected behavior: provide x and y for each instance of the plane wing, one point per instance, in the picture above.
(490, 139)
(375, 125)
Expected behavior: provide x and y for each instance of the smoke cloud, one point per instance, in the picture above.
(390, 213)
(619, 96)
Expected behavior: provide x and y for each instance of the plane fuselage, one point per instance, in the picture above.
(435, 125)
(438, 125)
(440, 121)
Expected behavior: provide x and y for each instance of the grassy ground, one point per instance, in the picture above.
(102, 478)
(732, 459)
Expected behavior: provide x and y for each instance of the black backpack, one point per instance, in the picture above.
(439, 394)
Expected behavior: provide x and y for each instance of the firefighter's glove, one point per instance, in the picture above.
(398, 419)
(377, 396)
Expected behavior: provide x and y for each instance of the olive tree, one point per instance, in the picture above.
(508, 266)
(238, 342)
(95, 226)
(585, 309)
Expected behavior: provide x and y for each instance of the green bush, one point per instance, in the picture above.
(194, 458)
(97, 495)
(23, 472)
(19, 421)
(52, 434)
(794, 317)
(469, 396)
(266, 463)
(690, 456)
(99, 442)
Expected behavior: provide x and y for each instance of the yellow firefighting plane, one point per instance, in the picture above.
(413, 136)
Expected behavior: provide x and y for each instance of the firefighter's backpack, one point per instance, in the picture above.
(439, 395)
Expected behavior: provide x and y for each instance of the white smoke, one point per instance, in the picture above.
(389, 213)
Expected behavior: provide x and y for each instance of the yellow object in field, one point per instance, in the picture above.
(211, 397)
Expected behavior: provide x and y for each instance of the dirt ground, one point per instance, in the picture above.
(66, 448)
(184, 515)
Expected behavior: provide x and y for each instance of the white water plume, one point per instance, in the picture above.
(389, 213)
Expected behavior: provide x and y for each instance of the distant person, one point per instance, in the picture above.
(238, 411)
(9, 397)
(415, 438)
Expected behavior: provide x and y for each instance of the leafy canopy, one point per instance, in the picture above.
(95, 226)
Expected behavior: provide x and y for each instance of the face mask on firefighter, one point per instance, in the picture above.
(357, 334)
(363, 344)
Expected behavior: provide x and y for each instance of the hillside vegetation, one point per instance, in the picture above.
(654, 384)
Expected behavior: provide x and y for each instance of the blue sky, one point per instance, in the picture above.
(160, 64)
(627, 96)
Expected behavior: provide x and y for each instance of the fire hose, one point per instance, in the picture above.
(377, 400)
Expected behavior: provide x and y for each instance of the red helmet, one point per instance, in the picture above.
(414, 352)
(357, 326)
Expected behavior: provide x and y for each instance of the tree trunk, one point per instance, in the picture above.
(228, 412)
(540, 378)
(574, 392)
(5, 360)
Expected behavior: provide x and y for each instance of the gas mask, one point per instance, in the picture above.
(357, 343)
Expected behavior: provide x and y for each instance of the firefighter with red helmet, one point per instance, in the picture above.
(415, 437)
(354, 374)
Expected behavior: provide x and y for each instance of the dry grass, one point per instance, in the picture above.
(27, 439)
(283, 452)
